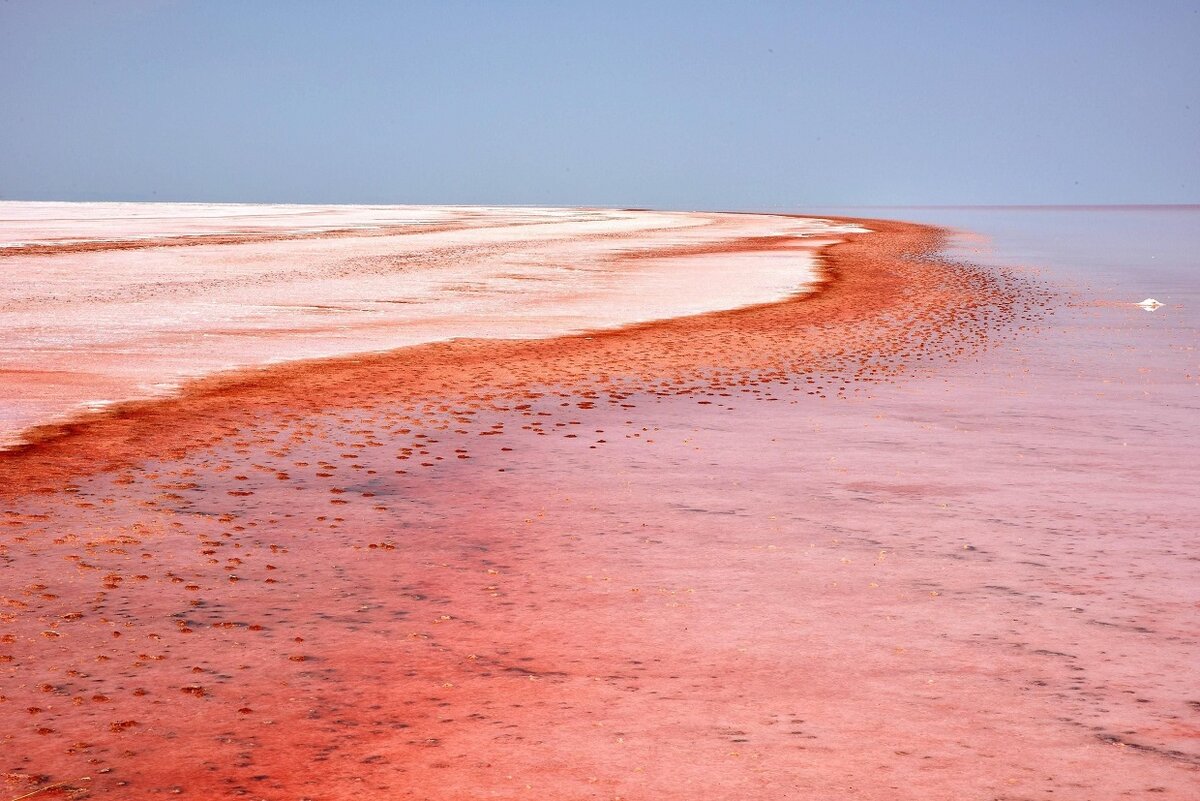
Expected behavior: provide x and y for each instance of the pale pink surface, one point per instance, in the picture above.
(84, 329)
(978, 582)
(47, 222)
(953, 589)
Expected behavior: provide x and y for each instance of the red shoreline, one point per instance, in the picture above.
(951, 309)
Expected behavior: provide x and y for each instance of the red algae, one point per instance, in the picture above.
(828, 547)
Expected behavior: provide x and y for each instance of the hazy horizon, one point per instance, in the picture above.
(673, 105)
(778, 209)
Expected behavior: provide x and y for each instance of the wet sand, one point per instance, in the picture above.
(894, 538)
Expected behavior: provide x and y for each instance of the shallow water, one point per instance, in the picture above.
(1132, 250)
(975, 579)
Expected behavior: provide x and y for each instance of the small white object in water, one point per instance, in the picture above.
(1149, 304)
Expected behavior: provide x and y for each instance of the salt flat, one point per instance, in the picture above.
(105, 302)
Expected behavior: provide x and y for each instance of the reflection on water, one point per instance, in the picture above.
(1151, 249)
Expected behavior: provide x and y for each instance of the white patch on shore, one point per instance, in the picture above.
(128, 323)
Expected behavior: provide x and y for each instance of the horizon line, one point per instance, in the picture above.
(634, 207)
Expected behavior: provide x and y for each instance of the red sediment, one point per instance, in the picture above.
(571, 568)
(887, 303)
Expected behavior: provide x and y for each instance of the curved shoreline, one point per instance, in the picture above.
(86, 330)
(885, 302)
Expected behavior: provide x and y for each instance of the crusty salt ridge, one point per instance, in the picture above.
(107, 302)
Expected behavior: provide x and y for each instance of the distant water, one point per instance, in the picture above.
(1106, 260)
(1124, 250)
(1109, 258)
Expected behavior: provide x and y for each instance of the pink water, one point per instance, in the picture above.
(975, 579)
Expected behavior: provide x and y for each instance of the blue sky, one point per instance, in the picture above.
(747, 105)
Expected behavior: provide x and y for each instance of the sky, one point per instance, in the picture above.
(683, 105)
